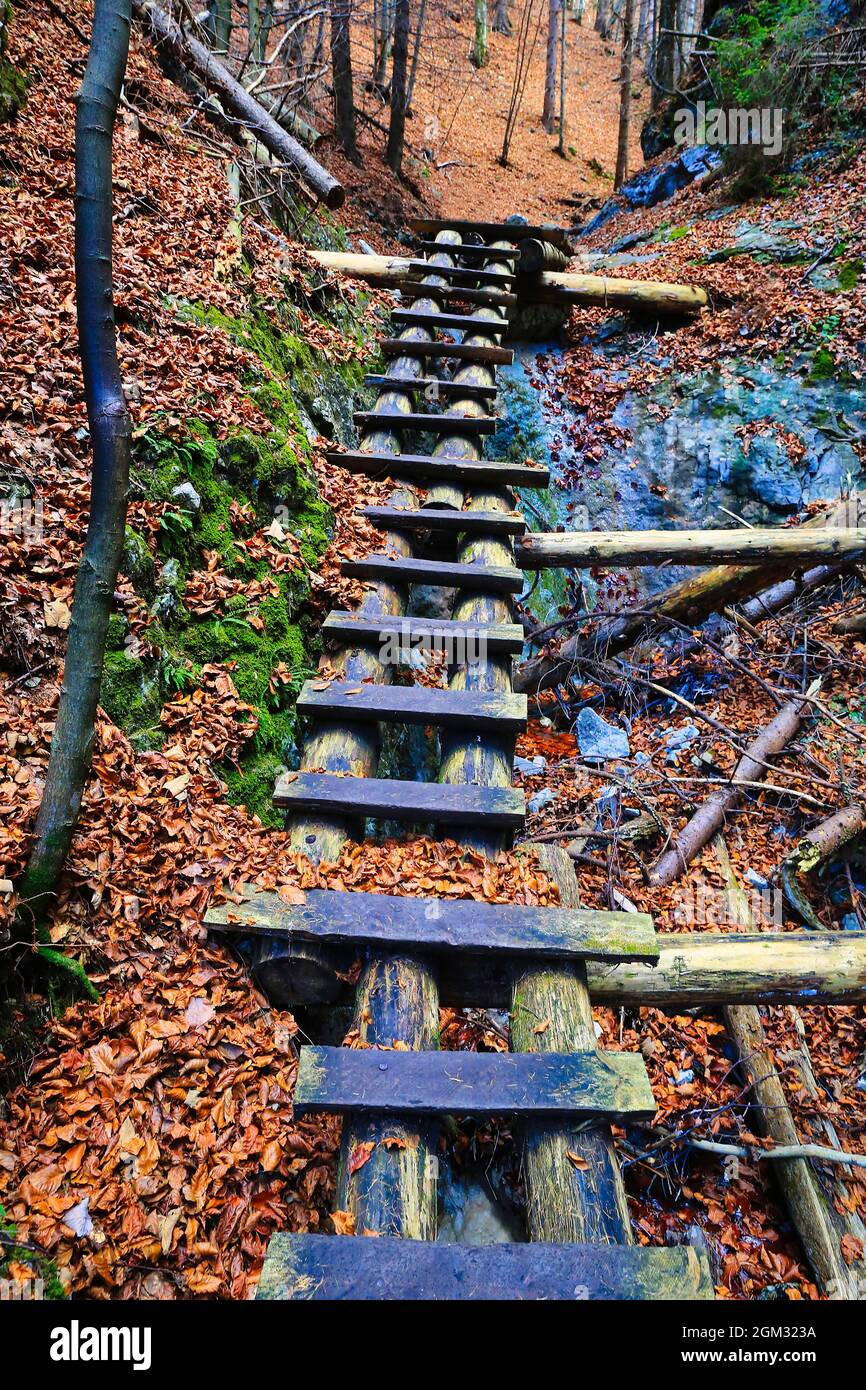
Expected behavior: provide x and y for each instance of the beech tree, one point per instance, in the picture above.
(625, 77)
(548, 114)
(480, 53)
(110, 435)
(341, 67)
(397, 125)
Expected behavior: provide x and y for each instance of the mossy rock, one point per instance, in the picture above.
(131, 696)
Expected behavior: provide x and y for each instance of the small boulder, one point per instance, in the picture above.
(600, 742)
(187, 497)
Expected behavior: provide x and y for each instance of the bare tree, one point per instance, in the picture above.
(625, 79)
(480, 54)
(416, 49)
(501, 22)
(562, 50)
(341, 69)
(548, 114)
(662, 67)
(111, 435)
(397, 126)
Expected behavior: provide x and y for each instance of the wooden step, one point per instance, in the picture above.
(435, 634)
(462, 389)
(416, 289)
(544, 1085)
(418, 420)
(381, 1269)
(466, 323)
(462, 274)
(446, 519)
(470, 250)
(481, 579)
(441, 803)
(461, 352)
(493, 231)
(487, 932)
(439, 467)
(476, 711)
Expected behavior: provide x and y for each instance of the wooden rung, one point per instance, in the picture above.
(462, 274)
(493, 231)
(469, 250)
(481, 579)
(478, 711)
(416, 289)
(470, 472)
(441, 803)
(446, 519)
(467, 323)
(487, 932)
(418, 420)
(362, 1268)
(469, 390)
(461, 352)
(541, 1085)
(437, 634)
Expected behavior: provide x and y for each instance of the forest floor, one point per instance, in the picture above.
(147, 1142)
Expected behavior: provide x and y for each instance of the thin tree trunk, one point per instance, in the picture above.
(397, 126)
(561, 146)
(548, 114)
(111, 434)
(416, 50)
(663, 57)
(625, 94)
(501, 22)
(341, 67)
(480, 54)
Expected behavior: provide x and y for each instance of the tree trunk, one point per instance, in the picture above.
(397, 125)
(341, 67)
(603, 17)
(734, 545)
(548, 114)
(663, 58)
(416, 50)
(480, 54)
(561, 145)
(625, 94)
(501, 22)
(237, 101)
(110, 433)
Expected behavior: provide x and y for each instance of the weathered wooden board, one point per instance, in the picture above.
(463, 293)
(493, 231)
(482, 579)
(466, 323)
(363, 1268)
(343, 1080)
(471, 251)
(435, 421)
(461, 274)
(482, 711)
(443, 803)
(471, 472)
(462, 352)
(446, 519)
(446, 389)
(431, 925)
(435, 634)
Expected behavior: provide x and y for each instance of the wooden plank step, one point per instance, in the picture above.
(426, 420)
(493, 231)
(462, 274)
(446, 519)
(492, 712)
(467, 323)
(470, 472)
(441, 803)
(481, 579)
(462, 389)
(470, 250)
(461, 352)
(361, 1268)
(548, 1085)
(487, 932)
(437, 634)
(416, 289)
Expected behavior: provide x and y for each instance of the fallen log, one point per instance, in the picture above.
(796, 1177)
(197, 57)
(391, 272)
(690, 601)
(755, 546)
(816, 846)
(709, 819)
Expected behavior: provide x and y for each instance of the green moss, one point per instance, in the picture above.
(823, 366)
(13, 82)
(849, 273)
(131, 696)
(43, 1268)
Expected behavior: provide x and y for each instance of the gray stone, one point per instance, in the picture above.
(186, 495)
(530, 767)
(540, 799)
(598, 741)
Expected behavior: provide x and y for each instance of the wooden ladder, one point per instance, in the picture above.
(394, 1090)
